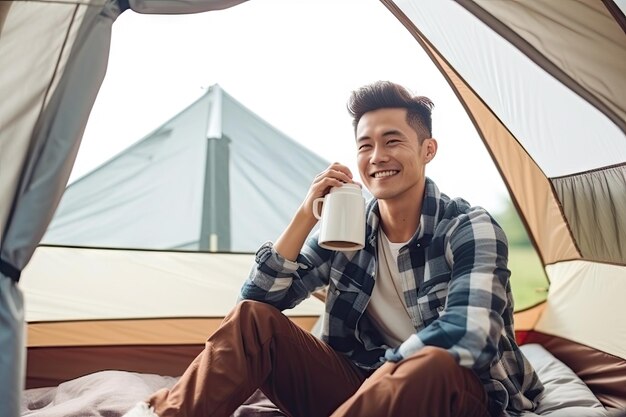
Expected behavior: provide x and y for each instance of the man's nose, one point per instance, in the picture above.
(379, 154)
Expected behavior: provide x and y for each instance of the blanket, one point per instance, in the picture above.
(112, 393)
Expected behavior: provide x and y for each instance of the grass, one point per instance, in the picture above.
(528, 279)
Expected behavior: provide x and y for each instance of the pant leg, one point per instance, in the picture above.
(427, 384)
(257, 346)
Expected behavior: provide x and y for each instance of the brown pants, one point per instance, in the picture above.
(257, 346)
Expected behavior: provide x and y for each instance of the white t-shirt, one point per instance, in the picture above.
(387, 308)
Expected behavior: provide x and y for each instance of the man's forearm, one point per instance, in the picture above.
(290, 242)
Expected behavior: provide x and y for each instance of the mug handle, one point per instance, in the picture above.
(316, 204)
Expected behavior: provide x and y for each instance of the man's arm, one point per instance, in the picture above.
(290, 242)
(284, 273)
(471, 324)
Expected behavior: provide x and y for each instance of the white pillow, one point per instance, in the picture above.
(566, 395)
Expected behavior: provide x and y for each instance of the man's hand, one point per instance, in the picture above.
(333, 176)
(392, 355)
(290, 242)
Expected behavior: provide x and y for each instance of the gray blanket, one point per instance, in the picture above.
(112, 393)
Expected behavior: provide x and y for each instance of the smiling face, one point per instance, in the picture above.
(390, 158)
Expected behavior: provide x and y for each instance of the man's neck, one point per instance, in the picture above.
(400, 217)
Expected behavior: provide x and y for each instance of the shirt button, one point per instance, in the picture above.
(419, 245)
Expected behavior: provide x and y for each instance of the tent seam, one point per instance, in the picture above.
(591, 171)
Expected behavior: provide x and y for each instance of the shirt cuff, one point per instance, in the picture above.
(410, 346)
(267, 255)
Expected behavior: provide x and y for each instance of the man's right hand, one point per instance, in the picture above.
(290, 242)
(333, 176)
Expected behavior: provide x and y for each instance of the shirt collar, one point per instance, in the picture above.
(429, 216)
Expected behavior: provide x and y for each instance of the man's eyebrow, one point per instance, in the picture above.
(391, 132)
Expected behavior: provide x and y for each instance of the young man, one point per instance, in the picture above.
(417, 323)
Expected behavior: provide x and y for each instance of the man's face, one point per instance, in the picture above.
(390, 158)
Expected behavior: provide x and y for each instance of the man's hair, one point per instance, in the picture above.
(384, 95)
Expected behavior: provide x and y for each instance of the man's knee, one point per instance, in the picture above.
(433, 362)
(256, 312)
(246, 306)
(438, 357)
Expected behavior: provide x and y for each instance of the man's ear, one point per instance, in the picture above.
(429, 147)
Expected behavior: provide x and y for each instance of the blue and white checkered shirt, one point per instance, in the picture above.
(457, 292)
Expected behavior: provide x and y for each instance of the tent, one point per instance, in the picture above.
(541, 80)
(207, 180)
(215, 177)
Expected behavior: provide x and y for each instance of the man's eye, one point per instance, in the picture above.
(364, 147)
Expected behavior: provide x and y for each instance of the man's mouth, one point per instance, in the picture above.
(383, 174)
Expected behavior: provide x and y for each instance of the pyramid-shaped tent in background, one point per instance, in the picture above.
(215, 177)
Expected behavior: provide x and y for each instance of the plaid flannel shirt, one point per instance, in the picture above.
(455, 285)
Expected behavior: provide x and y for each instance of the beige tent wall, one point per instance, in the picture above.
(68, 284)
(583, 305)
(89, 309)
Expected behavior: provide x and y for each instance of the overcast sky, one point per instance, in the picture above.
(292, 62)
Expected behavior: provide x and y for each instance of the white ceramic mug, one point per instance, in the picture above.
(343, 218)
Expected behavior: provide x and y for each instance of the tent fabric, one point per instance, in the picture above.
(40, 137)
(77, 284)
(547, 98)
(594, 205)
(580, 303)
(230, 176)
(41, 132)
(539, 117)
(527, 319)
(529, 189)
(621, 5)
(541, 80)
(50, 366)
(601, 372)
(541, 134)
(136, 310)
(145, 332)
(564, 41)
(179, 6)
(12, 359)
(102, 208)
(57, 113)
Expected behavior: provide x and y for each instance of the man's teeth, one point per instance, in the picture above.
(382, 174)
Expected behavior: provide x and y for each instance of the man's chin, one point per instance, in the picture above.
(380, 194)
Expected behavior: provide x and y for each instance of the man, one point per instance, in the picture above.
(417, 323)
